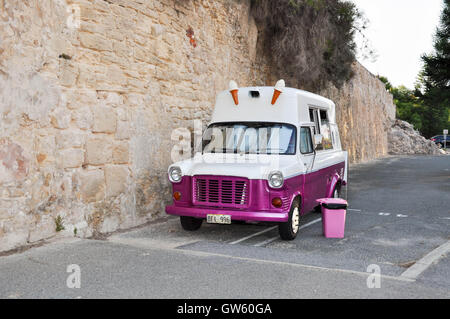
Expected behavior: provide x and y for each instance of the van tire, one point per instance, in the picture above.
(287, 230)
(337, 191)
(190, 223)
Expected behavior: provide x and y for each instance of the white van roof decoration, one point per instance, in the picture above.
(279, 88)
(234, 91)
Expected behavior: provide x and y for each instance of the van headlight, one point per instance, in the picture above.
(175, 174)
(276, 179)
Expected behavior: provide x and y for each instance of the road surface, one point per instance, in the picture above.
(398, 223)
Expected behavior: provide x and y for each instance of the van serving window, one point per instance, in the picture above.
(325, 129)
(314, 117)
(324, 117)
(250, 138)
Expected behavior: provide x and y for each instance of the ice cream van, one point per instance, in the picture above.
(266, 156)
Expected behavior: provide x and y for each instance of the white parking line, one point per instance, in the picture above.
(268, 241)
(421, 265)
(152, 245)
(253, 235)
(379, 214)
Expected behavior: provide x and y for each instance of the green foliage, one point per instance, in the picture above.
(435, 79)
(310, 42)
(410, 107)
(59, 223)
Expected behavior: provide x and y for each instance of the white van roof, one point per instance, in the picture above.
(291, 107)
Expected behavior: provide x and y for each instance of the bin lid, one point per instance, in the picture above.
(333, 203)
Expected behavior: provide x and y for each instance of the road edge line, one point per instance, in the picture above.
(426, 261)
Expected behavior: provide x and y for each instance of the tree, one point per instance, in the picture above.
(310, 42)
(410, 107)
(435, 79)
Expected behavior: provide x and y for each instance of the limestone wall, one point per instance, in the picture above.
(90, 92)
(364, 112)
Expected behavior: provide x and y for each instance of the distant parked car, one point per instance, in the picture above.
(439, 140)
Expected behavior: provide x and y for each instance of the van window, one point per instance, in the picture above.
(336, 138)
(250, 138)
(325, 130)
(306, 146)
(311, 115)
(323, 117)
(314, 115)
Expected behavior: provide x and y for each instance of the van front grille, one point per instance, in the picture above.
(221, 191)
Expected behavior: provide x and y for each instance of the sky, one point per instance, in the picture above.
(399, 31)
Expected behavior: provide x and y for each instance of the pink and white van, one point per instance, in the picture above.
(267, 155)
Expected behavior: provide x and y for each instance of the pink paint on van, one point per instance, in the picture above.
(251, 200)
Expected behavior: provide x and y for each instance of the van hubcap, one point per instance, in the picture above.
(295, 220)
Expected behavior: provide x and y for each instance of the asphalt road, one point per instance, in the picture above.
(398, 220)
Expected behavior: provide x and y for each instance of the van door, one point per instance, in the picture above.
(311, 185)
(321, 172)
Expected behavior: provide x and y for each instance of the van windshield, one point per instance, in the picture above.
(250, 138)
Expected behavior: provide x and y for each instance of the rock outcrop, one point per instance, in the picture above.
(403, 139)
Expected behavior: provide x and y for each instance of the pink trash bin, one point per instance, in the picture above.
(333, 216)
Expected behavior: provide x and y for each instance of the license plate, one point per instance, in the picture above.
(218, 219)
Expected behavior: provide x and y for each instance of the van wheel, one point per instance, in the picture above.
(289, 230)
(190, 223)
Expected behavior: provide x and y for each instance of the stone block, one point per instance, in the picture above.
(116, 180)
(69, 139)
(83, 118)
(121, 153)
(104, 119)
(92, 185)
(43, 229)
(123, 130)
(98, 150)
(95, 42)
(157, 30)
(60, 118)
(71, 158)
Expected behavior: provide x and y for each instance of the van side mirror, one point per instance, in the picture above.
(317, 139)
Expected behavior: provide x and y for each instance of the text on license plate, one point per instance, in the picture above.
(218, 219)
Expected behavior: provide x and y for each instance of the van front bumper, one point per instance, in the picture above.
(200, 212)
